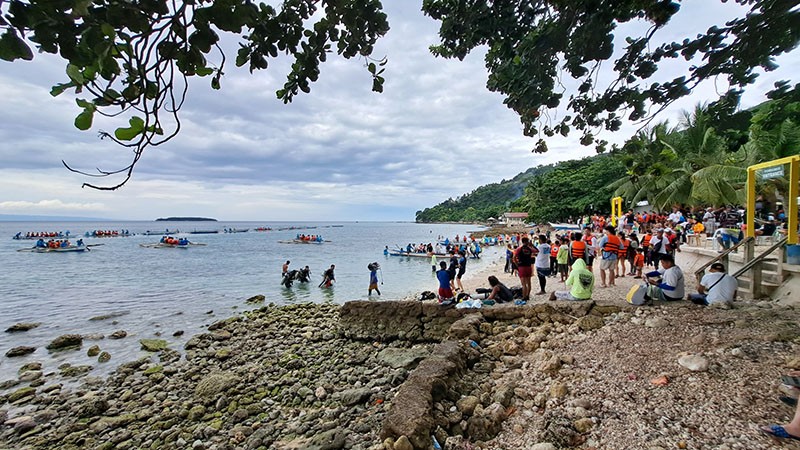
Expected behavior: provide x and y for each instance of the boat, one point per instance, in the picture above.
(204, 232)
(565, 226)
(236, 230)
(68, 249)
(263, 229)
(165, 245)
(107, 233)
(417, 254)
(40, 235)
(159, 233)
(301, 241)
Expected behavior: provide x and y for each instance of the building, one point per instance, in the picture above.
(515, 218)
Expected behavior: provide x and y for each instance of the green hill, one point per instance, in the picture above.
(491, 200)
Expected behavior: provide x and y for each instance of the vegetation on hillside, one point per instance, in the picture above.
(491, 200)
(701, 161)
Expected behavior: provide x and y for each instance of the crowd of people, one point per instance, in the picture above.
(641, 245)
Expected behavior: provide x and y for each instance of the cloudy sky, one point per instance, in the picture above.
(339, 153)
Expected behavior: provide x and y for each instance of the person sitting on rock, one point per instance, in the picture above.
(500, 293)
(666, 284)
(581, 281)
(715, 287)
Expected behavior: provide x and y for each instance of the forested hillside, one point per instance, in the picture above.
(486, 201)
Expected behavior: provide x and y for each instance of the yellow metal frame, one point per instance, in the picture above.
(791, 207)
(616, 209)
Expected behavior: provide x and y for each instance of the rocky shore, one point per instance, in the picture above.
(399, 375)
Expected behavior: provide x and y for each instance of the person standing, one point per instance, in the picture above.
(328, 277)
(542, 263)
(443, 276)
(562, 260)
(659, 245)
(373, 279)
(523, 258)
(285, 268)
(509, 256)
(453, 269)
(609, 246)
(462, 268)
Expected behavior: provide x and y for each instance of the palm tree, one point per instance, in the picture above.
(645, 167)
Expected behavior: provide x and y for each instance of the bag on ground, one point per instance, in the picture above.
(636, 295)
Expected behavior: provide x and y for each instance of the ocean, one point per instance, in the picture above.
(153, 293)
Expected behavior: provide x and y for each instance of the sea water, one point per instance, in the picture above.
(155, 292)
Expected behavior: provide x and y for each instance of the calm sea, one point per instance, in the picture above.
(154, 292)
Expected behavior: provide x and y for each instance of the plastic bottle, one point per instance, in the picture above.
(436, 445)
(473, 344)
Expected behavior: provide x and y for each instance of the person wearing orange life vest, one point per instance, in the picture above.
(577, 249)
(553, 258)
(622, 254)
(610, 245)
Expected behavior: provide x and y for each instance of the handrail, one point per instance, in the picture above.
(760, 257)
(701, 271)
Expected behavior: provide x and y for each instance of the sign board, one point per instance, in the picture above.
(772, 172)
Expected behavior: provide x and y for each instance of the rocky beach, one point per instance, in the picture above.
(400, 375)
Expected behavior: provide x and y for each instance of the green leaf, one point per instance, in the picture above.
(135, 129)
(84, 120)
(74, 74)
(203, 71)
(60, 88)
(12, 47)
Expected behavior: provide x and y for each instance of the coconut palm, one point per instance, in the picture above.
(644, 164)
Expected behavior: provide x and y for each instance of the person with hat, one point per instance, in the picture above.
(715, 287)
(659, 244)
(666, 284)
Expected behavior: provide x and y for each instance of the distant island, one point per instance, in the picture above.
(185, 219)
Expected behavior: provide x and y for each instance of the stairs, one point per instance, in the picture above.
(771, 278)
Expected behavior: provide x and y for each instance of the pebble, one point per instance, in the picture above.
(694, 363)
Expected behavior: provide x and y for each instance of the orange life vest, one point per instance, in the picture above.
(578, 249)
(612, 244)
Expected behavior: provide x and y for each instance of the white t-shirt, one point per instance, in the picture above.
(664, 242)
(724, 289)
(673, 277)
(543, 258)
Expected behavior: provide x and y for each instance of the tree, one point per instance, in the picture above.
(535, 45)
(133, 58)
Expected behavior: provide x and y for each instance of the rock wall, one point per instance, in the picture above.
(413, 417)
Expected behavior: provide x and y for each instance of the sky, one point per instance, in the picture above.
(339, 153)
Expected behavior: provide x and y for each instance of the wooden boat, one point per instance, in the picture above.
(104, 234)
(165, 245)
(159, 233)
(45, 236)
(263, 229)
(204, 232)
(236, 230)
(69, 249)
(301, 241)
(416, 254)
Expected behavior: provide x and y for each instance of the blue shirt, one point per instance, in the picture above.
(444, 278)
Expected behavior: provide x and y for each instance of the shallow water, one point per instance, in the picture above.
(160, 291)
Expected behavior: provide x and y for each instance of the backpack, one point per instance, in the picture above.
(636, 295)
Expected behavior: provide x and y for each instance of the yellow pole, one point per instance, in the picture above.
(750, 220)
(794, 179)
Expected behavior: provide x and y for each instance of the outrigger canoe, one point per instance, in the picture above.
(236, 230)
(71, 248)
(301, 241)
(416, 254)
(165, 245)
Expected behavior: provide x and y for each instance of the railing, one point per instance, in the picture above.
(750, 264)
(721, 257)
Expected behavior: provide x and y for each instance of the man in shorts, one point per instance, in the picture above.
(524, 257)
(609, 249)
(445, 292)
